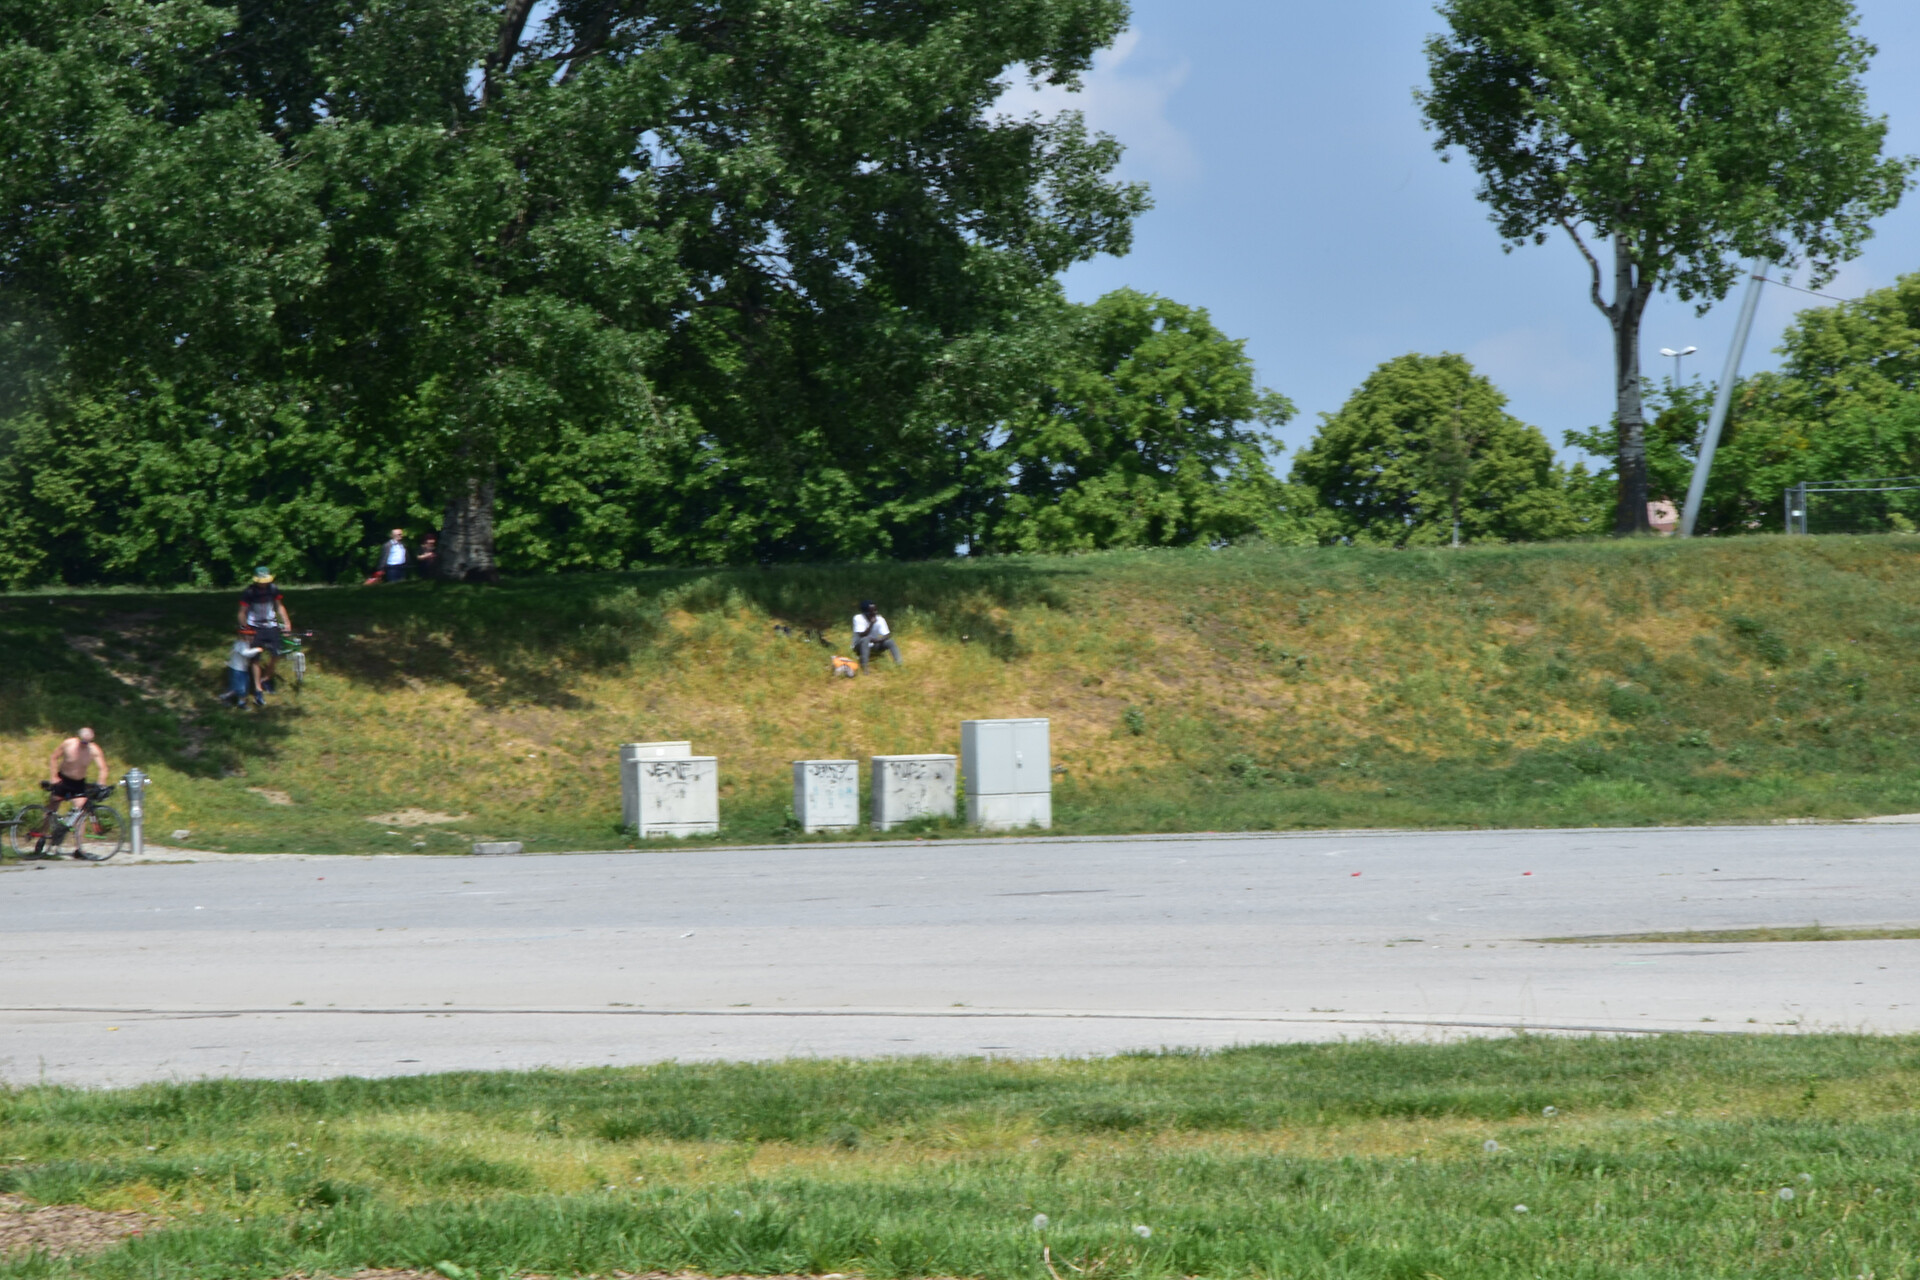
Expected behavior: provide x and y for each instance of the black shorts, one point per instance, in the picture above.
(69, 788)
(268, 638)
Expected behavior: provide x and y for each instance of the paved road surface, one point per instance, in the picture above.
(325, 966)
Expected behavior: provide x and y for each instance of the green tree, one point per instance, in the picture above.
(666, 279)
(1844, 404)
(1147, 433)
(1686, 136)
(873, 253)
(1425, 447)
(1772, 442)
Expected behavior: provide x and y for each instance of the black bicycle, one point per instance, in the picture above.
(90, 830)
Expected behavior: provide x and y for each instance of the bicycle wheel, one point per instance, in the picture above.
(100, 835)
(299, 669)
(27, 834)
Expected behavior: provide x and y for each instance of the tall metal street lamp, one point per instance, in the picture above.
(1678, 356)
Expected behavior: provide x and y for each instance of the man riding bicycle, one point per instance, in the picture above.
(263, 610)
(67, 769)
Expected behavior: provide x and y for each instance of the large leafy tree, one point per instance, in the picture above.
(301, 268)
(705, 280)
(150, 236)
(872, 252)
(1674, 140)
(1424, 453)
(1149, 431)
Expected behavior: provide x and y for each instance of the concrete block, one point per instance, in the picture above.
(485, 848)
(631, 754)
(909, 787)
(677, 797)
(1008, 767)
(826, 794)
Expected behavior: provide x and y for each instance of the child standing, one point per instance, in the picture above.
(242, 675)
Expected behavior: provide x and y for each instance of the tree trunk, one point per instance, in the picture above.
(1629, 305)
(466, 534)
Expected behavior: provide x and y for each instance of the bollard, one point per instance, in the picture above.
(136, 785)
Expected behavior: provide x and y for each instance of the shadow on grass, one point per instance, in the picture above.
(136, 666)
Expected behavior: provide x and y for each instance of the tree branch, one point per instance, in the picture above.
(1593, 265)
(588, 40)
(513, 24)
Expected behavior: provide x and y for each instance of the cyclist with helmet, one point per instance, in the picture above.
(263, 610)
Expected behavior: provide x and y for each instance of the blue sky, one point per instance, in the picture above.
(1300, 201)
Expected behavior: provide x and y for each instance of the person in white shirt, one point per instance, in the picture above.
(870, 632)
(242, 676)
(393, 556)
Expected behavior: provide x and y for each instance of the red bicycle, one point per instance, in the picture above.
(91, 831)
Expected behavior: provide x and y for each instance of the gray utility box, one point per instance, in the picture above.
(1008, 765)
(909, 787)
(631, 754)
(678, 797)
(826, 794)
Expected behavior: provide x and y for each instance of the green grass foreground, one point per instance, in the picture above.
(1677, 1156)
(1739, 680)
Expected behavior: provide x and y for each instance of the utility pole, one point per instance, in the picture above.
(1722, 399)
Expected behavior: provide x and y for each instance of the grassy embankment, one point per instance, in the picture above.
(1646, 682)
(1681, 1156)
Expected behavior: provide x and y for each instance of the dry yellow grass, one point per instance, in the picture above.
(1638, 682)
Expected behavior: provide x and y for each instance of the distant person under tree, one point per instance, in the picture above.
(393, 556)
(870, 632)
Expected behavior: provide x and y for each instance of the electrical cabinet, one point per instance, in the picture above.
(631, 754)
(1008, 768)
(909, 787)
(826, 794)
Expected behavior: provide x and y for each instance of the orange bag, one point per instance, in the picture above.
(845, 667)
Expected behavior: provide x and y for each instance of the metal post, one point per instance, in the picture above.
(1722, 400)
(136, 784)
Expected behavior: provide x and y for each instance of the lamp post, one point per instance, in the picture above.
(1678, 356)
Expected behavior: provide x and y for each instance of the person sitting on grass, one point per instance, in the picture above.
(243, 672)
(870, 632)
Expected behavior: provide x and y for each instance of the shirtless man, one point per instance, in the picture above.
(67, 769)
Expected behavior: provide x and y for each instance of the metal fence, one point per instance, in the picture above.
(1881, 504)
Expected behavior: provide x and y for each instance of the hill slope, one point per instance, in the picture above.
(1252, 688)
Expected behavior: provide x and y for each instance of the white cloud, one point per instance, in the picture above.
(1127, 99)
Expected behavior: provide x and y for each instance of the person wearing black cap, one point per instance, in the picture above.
(870, 632)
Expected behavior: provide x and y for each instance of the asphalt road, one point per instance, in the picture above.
(307, 967)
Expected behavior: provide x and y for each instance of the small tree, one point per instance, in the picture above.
(1690, 136)
(1425, 453)
(1147, 432)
